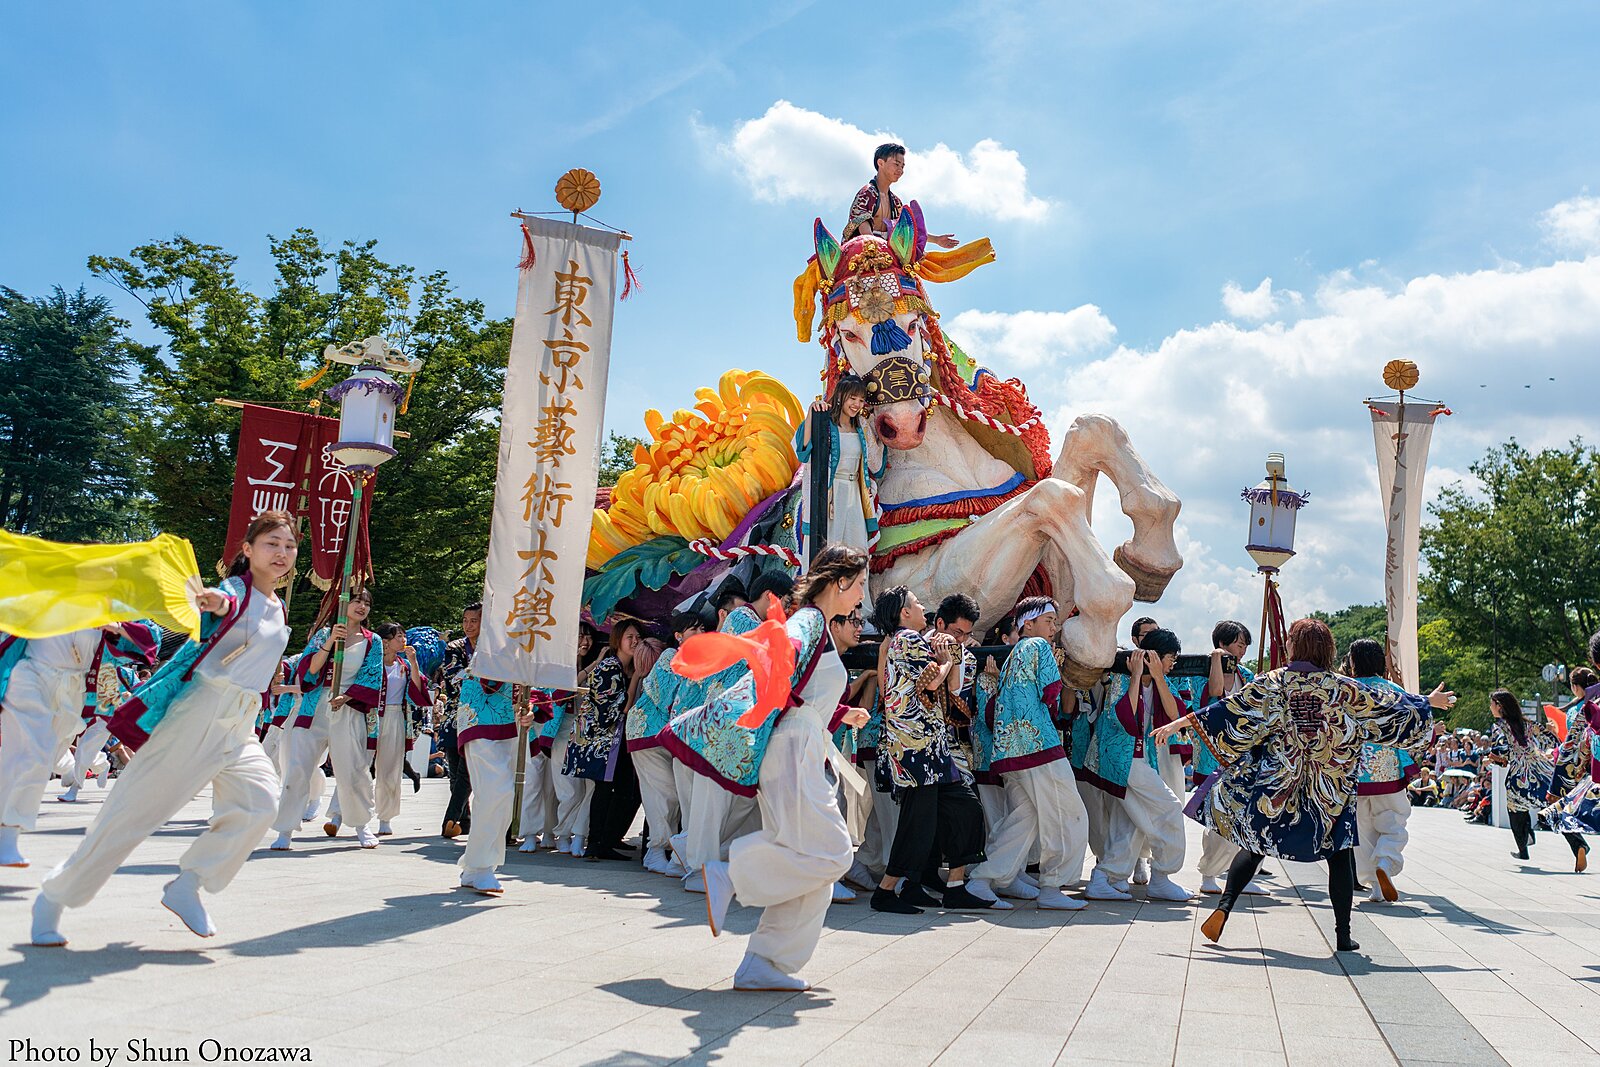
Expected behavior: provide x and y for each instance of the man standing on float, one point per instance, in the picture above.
(875, 208)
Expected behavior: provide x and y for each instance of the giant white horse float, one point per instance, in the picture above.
(971, 502)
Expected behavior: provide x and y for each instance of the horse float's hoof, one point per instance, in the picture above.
(1079, 676)
(1148, 584)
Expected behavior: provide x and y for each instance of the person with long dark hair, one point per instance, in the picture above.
(194, 725)
(788, 868)
(568, 803)
(591, 755)
(1524, 748)
(856, 462)
(1575, 785)
(1290, 744)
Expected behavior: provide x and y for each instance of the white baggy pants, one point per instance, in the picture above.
(883, 822)
(573, 794)
(1095, 800)
(389, 777)
(1381, 834)
(493, 767)
(89, 749)
(788, 867)
(352, 765)
(538, 798)
(995, 805)
(307, 747)
(208, 735)
(1216, 855)
(43, 712)
(711, 819)
(1045, 806)
(1148, 813)
(658, 792)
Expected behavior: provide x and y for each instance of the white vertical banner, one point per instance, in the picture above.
(1402, 433)
(550, 437)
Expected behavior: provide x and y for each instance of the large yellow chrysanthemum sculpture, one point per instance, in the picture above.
(704, 471)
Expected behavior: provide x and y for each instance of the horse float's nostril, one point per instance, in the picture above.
(922, 423)
(886, 429)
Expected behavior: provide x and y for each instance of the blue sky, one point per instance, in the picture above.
(1144, 157)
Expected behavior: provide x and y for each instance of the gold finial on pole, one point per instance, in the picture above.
(578, 190)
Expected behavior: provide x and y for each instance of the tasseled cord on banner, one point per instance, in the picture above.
(887, 337)
(630, 280)
(527, 244)
(405, 402)
(307, 383)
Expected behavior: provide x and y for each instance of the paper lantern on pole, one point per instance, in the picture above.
(367, 402)
(1273, 507)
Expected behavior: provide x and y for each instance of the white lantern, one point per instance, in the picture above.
(1273, 506)
(367, 401)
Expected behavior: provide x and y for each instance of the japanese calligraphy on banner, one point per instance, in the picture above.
(283, 464)
(1402, 433)
(550, 427)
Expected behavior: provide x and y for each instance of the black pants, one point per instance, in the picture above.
(459, 809)
(1522, 830)
(614, 805)
(1341, 884)
(946, 817)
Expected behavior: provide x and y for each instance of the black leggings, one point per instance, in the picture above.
(1522, 830)
(941, 820)
(1341, 884)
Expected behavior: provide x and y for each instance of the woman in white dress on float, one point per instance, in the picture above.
(856, 460)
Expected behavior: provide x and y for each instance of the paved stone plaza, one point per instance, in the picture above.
(375, 957)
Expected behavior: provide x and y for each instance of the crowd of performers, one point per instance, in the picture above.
(768, 771)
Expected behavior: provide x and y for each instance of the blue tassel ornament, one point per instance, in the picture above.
(887, 337)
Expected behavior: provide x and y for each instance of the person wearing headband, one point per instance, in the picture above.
(1040, 787)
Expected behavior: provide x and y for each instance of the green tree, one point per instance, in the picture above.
(431, 505)
(1355, 622)
(64, 401)
(1515, 569)
(616, 459)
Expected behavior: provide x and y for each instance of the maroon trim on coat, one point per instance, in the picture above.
(1032, 759)
(302, 722)
(498, 731)
(639, 744)
(1384, 789)
(1086, 775)
(697, 763)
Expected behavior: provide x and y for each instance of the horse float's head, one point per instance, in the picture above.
(874, 322)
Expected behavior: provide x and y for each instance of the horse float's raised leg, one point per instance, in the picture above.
(1097, 444)
(991, 559)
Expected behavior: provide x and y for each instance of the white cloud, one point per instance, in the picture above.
(1029, 339)
(1257, 304)
(1510, 349)
(1574, 225)
(791, 153)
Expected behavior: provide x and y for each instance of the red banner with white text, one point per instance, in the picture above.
(283, 463)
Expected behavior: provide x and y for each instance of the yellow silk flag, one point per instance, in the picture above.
(48, 588)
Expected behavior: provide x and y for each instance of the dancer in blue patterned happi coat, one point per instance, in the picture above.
(1291, 741)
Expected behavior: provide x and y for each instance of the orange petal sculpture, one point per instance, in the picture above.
(704, 471)
(767, 649)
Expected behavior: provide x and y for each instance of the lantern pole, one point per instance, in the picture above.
(358, 484)
(366, 436)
